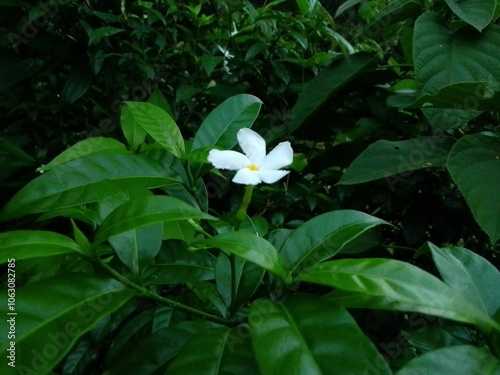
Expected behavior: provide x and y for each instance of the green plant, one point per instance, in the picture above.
(165, 286)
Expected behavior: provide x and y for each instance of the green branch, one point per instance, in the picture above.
(144, 292)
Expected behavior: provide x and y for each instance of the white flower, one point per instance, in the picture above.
(225, 52)
(254, 166)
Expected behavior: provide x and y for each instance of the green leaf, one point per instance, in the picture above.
(159, 100)
(53, 313)
(175, 265)
(474, 165)
(138, 247)
(310, 335)
(345, 6)
(470, 275)
(147, 210)
(85, 180)
(134, 133)
(324, 236)
(220, 127)
(81, 239)
(385, 158)
(395, 285)
(427, 338)
(89, 146)
(442, 119)
(26, 244)
(306, 6)
(153, 353)
(457, 360)
(458, 69)
(396, 11)
(103, 32)
(321, 88)
(478, 13)
(132, 331)
(219, 350)
(247, 246)
(247, 278)
(158, 124)
(77, 84)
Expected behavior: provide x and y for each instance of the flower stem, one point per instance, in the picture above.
(240, 217)
(144, 292)
(242, 211)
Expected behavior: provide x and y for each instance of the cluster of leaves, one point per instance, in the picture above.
(136, 261)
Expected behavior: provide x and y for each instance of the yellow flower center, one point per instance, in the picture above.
(253, 168)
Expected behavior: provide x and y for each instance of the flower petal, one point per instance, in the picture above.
(270, 177)
(228, 159)
(247, 177)
(253, 145)
(279, 157)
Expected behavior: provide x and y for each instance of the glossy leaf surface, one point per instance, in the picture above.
(310, 335)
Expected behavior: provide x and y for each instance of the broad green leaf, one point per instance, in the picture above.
(174, 265)
(456, 360)
(220, 127)
(395, 11)
(157, 123)
(470, 96)
(428, 338)
(133, 330)
(385, 158)
(206, 292)
(179, 230)
(138, 247)
(216, 351)
(474, 165)
(470, 275)
(278, 236)
(102, 32)
(85, 180)
(144, 211)
(53, 313)
(89, 146)
(153, 353)
(324, 236)
(321, 88)
(442, 119)
(478, 13)
(77, 84)
(247, 278)
(310, 335)
(26, 244)
(134, 133)
(247, 246)
(459, 69)
(395, 285)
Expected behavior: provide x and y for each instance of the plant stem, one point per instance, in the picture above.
(242, 211)
(240, 217)
(144, 292)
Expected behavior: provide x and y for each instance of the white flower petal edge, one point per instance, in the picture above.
(247, 177)
(270, 177)
(279, 157)
(228, 159)
(253, 145)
